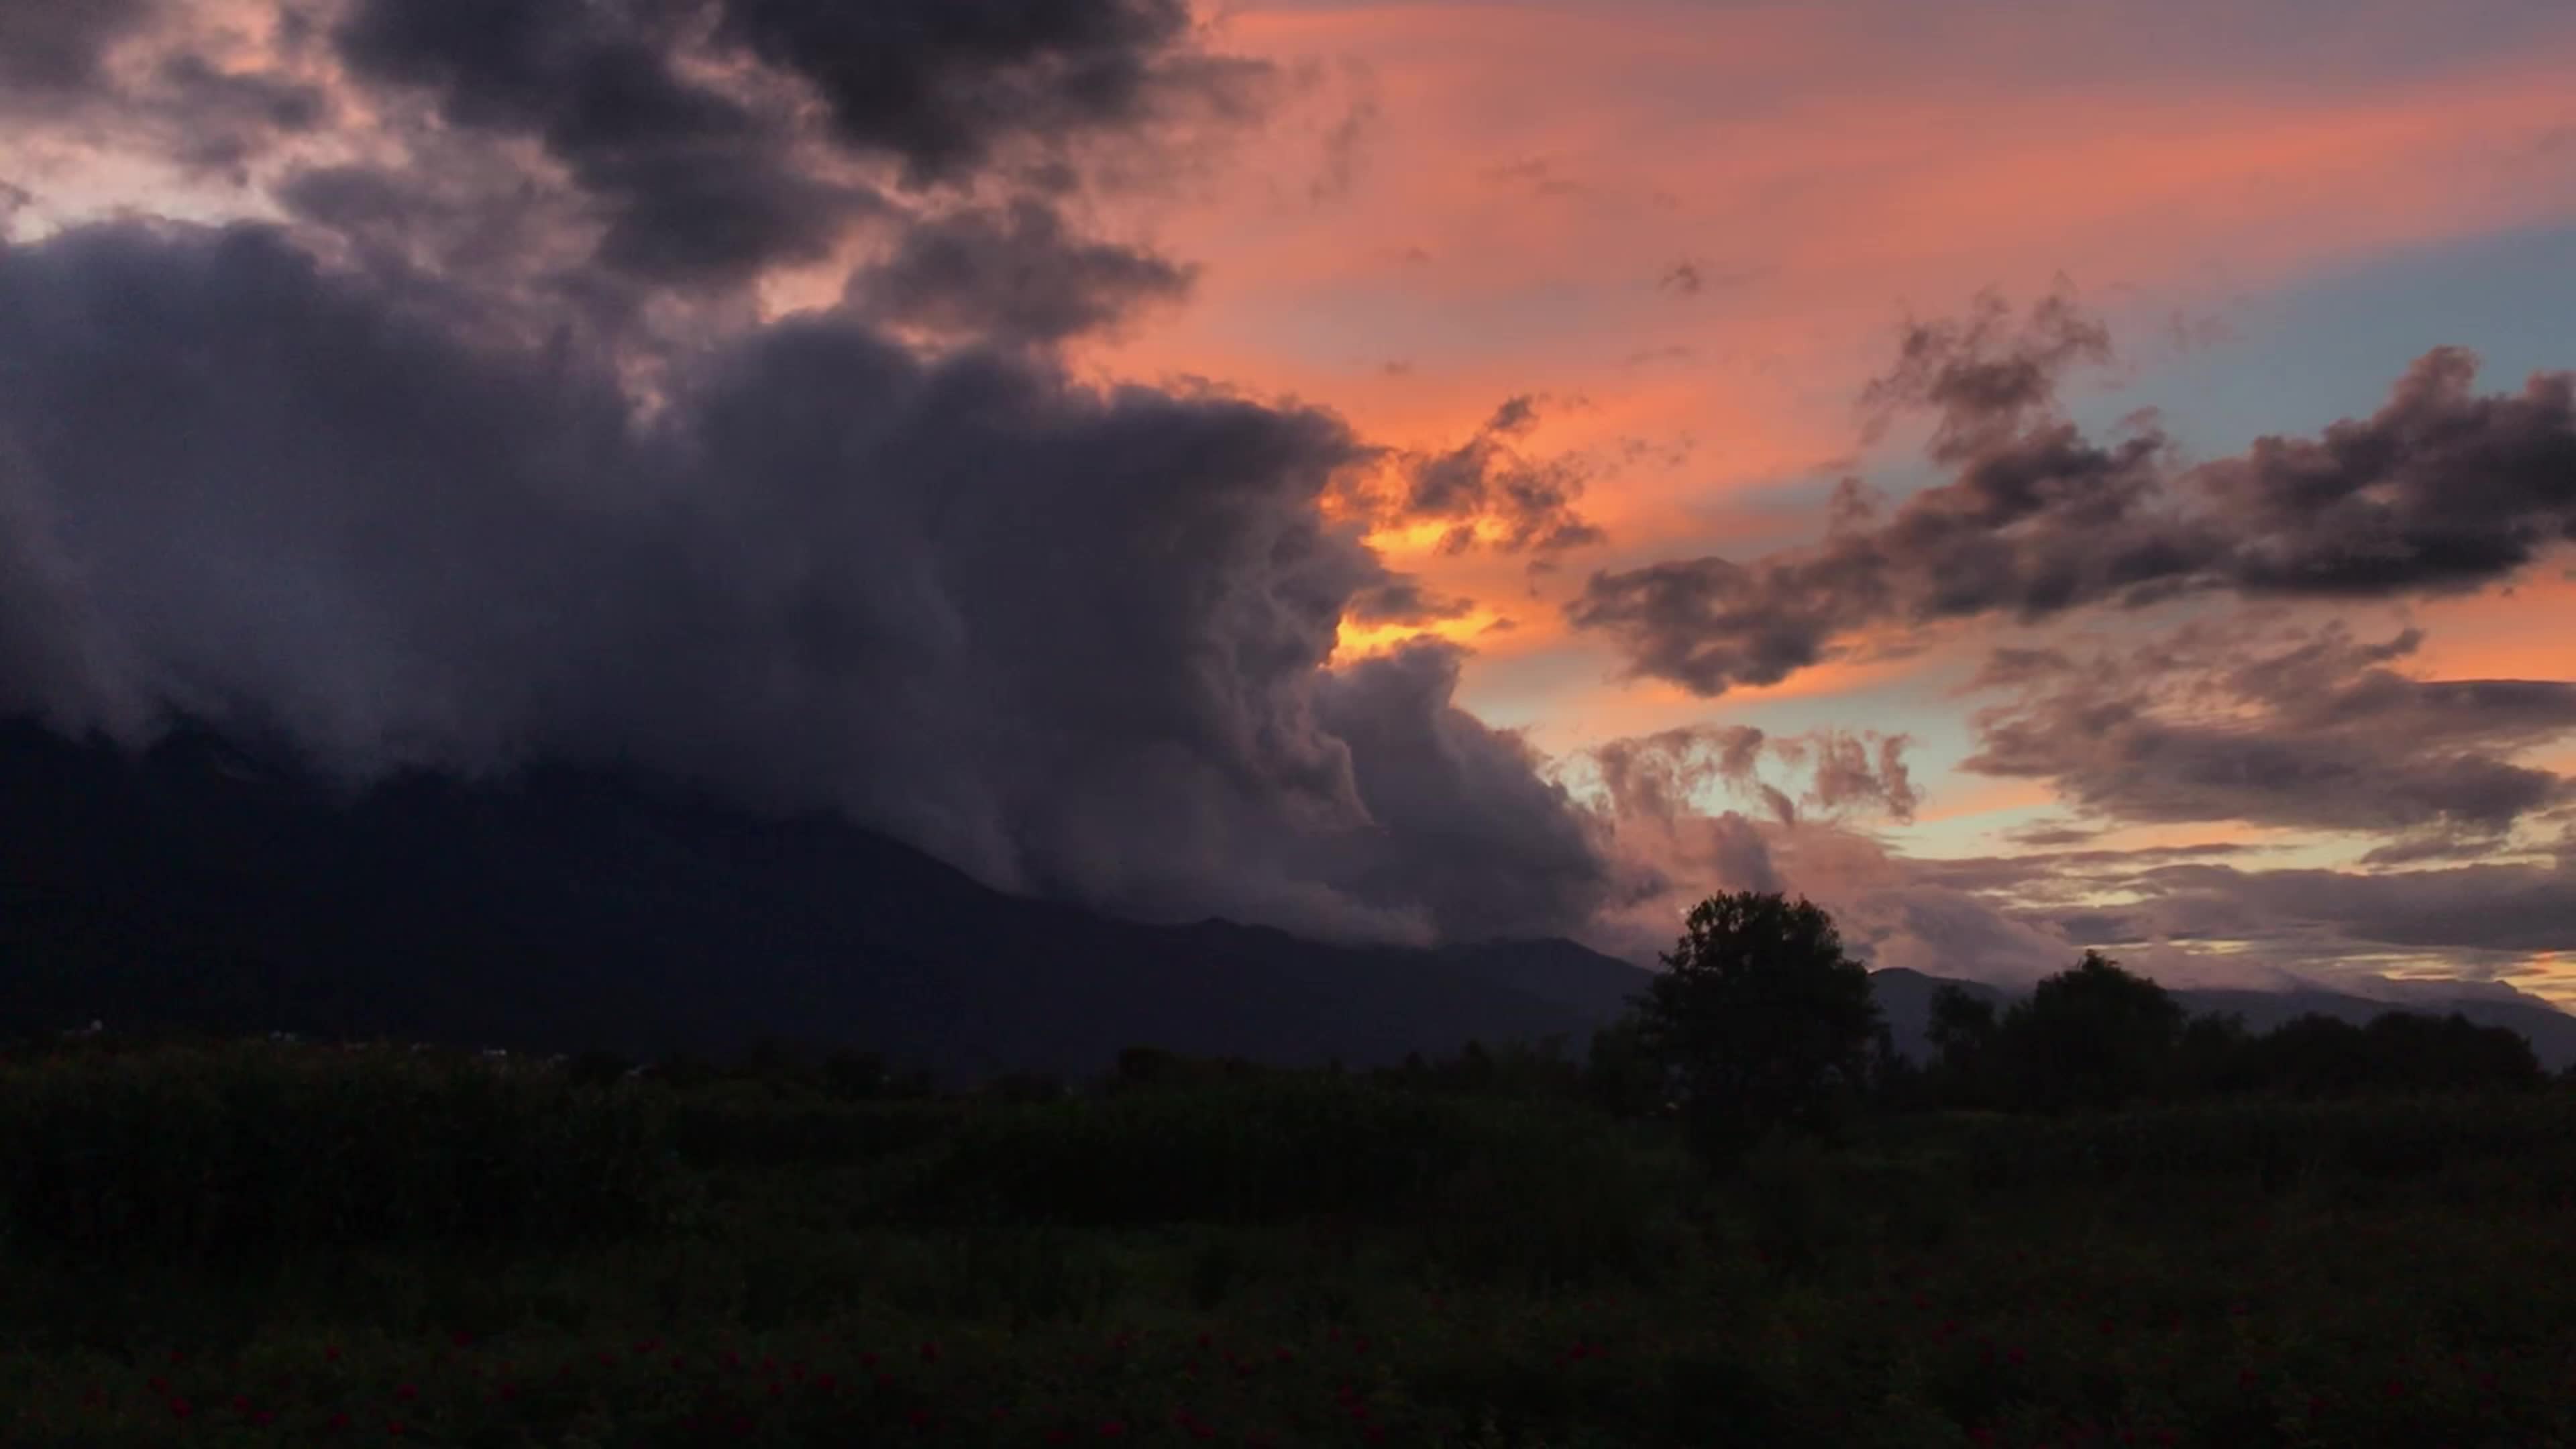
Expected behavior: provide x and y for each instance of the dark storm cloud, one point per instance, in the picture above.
(2442, 489)
(1403, 600)
(945, 85)
(1461, 820)
(1016, 273)
(695, 184)
(51, 48)
(1525, 504)
(1072, 638)
(2312, 729)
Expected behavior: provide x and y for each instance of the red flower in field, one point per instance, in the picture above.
(407, 1392)
(1360, 1344)
(2018, 1357)
(868, 1360)
(331, 1353)
(826, 1382)
(930, 1353)
(1982, 1435)
(241, 1405)
(920, 1418)
(1113, 1428)
(157, 1384)
(339, 1421)
(732, 1359)
(1205, 1340)
(2246, 1378)
(264, 1418)
(679, 1362)
(507, 1391)
(1285, 1354)
(181, 1408)
(394, 1430)
(462, 1339)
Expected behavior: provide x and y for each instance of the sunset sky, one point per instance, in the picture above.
(1369, 467)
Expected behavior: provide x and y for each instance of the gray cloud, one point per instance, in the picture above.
(49, 48)
(2442, 489)
(1461, 819)
(1403, 600)
(2301, 728)
(1017, 273)
(695, 183)
(2510, 910)
(944, 86)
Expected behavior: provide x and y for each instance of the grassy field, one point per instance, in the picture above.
(274, 1245)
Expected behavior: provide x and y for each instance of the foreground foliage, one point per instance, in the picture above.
(1441, 1257)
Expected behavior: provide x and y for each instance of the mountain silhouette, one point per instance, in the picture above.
(207, 885)
(213, 882)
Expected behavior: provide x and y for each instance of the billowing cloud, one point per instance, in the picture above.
(947, 87)
(1073, 638)
(695, 182)
(2304, 728)
(2442, 489)
(1018, 273)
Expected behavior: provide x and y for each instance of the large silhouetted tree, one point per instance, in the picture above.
(1759, 1020)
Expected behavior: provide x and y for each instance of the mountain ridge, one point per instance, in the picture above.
(208, 884)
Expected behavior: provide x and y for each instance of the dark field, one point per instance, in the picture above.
(300, 1245)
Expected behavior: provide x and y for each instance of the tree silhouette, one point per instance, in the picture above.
(2094, 1036)
(1759, 1020)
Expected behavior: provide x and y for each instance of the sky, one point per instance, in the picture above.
(2029, 476)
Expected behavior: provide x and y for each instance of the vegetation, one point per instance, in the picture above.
(2176, 1235)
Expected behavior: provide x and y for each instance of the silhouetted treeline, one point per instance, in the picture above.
(2101, 1037)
